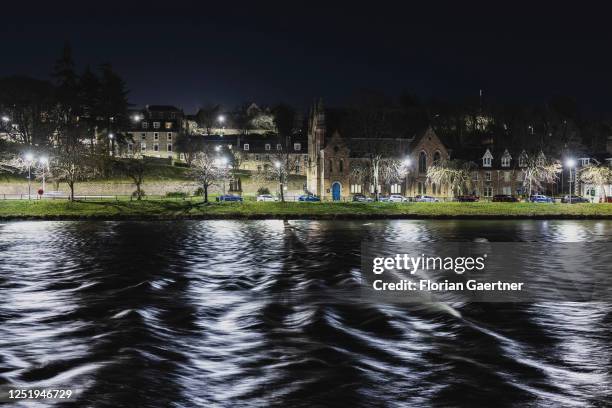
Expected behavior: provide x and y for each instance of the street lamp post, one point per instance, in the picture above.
(570, 163)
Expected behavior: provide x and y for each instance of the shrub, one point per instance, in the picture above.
(176, 194)
(263, 190)
(199, 192)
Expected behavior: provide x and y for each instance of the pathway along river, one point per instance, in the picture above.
(256, 313)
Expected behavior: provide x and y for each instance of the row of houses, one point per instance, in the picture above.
(327, 155)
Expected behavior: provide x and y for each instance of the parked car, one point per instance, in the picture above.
(397, 198)
(383, 199)
(360, 198)
(468, 198)
(574, 199)
(541, 199)
(426, 199)
(266, 197)
(607, 199)
(229, 197)
(309, 198)
(504, 198)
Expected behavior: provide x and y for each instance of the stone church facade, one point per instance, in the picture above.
(331, 158)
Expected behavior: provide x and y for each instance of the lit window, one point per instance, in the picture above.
(486, 161)
(506, 176)
(396, 188)
(372, 188)
(355, 188)
(246, 146)
(505, 161)
(297, 146)
(168, 125)
(268, 146)
(155, 125)
(279, 147)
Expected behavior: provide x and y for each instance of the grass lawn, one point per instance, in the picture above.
(170, 209)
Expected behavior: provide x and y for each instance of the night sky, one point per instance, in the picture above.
(193, 53)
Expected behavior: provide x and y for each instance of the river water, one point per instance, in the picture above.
(260, 313)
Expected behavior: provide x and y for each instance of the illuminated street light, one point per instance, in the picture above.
(217, 148)
(136, 118)
(221, 119)
(6, 119)
(277, 164)
(29, 157)
(570, 163)
(407, 162)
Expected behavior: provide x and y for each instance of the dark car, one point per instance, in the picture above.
(229, 197)
(468, 198)
(574, 199)
(607, 199)
(309, 198)
(360, 198)
(504, 198)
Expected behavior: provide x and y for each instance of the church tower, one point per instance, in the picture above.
(316, 142)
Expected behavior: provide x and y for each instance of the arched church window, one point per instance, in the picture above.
(422, 162)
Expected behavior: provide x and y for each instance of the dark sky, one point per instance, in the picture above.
(191, 53)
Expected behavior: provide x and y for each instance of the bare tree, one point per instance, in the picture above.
(280, 165)
(597, 175)
(70, 164)
(236, 159)
(208, 169)
(456, 174)
(538, 172)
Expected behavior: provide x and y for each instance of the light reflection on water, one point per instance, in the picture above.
(236, 313)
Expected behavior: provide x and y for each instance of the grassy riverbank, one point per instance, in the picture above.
(172, 209)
